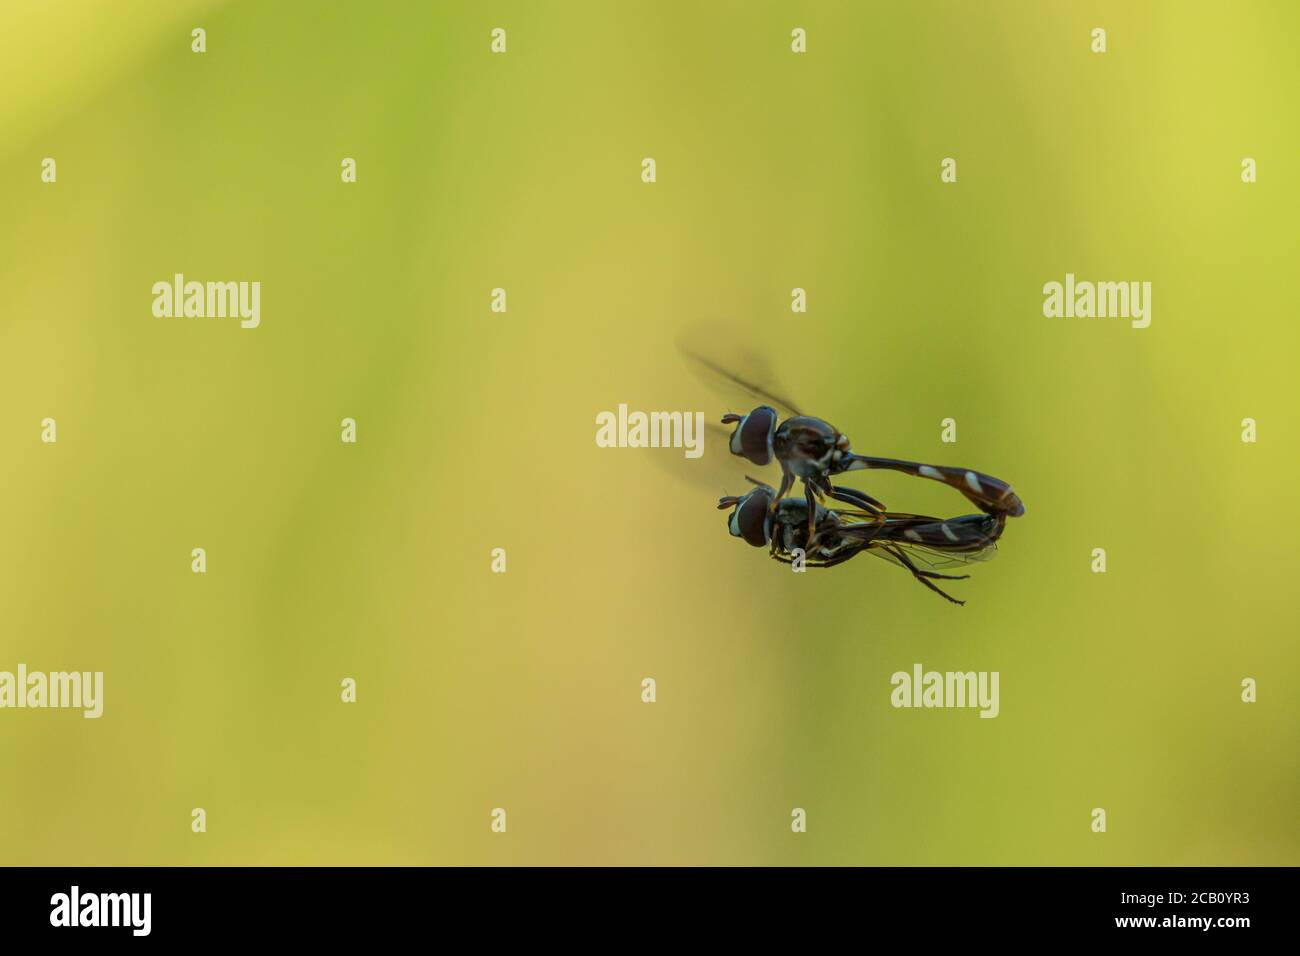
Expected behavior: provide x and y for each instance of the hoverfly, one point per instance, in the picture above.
(839, 535)
(814, 451)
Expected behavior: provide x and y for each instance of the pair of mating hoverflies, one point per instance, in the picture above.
(813, 451)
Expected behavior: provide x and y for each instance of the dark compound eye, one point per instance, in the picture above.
(753, 436)
(749, 520)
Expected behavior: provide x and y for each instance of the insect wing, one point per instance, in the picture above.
(721, 357)
(934, 542)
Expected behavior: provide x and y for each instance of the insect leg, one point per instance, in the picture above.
(838, 559)
(852, 496)
(924, 576)
(810, 496)
(787, 480)
(787, 557)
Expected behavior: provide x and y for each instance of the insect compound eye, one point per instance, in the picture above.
(749, 520)
(752, 438)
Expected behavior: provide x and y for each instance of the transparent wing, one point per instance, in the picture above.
(923, 557)
(934, 559)
(709, 349)
(721, 356)
(929, 542)
(717, 471)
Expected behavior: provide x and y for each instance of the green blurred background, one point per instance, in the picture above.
(522, 171)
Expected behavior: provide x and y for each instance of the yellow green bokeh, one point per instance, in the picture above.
(775, 170)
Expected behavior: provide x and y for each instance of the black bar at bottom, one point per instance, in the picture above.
(369, 905)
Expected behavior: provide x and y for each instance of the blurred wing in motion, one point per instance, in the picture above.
(717, 472)
(723, 359)
(739, 378)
